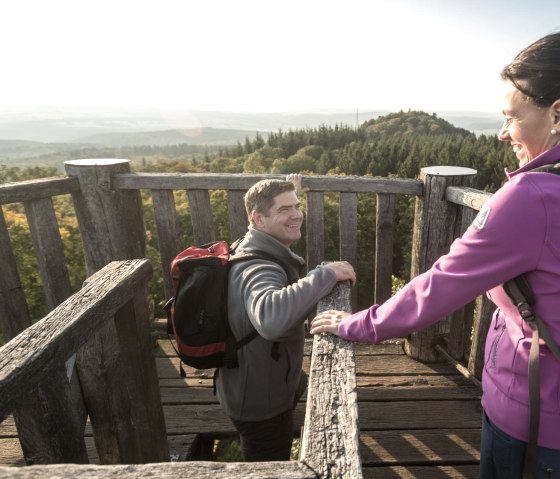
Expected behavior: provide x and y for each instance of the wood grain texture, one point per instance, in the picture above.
(330, 439)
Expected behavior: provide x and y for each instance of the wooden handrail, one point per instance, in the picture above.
(330, 439)
(178, 470)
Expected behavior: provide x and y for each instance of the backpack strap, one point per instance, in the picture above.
(551, 168)
(231, 350)
(522, 297)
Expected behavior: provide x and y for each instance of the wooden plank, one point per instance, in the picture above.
(348, 227)
(415, 447)
(315, 227)
(387, 388)
(201, 216)
(48, 251)
(243, 181)
(209, 419)
(27, 358)
(384, 223)
(168, 367)
(36, 189)
(166, 226)
(416, 472)
(164, 348)
(391, 415)
(11, 453)
(14, 313)
(465, 196)
(238, 221)
(172, 470)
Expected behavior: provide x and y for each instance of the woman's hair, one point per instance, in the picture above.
(535, 71)
(260, 196)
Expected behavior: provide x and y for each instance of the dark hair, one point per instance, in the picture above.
(535, 71)
(260, 196)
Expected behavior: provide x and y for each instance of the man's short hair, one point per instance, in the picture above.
(260, 197)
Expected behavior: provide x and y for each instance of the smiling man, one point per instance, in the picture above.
(268, 296)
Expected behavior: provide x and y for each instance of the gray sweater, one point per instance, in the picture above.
(262, 297)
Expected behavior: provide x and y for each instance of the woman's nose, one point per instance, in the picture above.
(504, 133)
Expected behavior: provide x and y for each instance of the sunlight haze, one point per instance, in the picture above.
(264, 56)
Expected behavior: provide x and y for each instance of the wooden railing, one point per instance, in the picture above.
(117, 390)
(108, 206)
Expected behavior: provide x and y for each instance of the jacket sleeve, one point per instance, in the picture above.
(275, 309)
(504, 241)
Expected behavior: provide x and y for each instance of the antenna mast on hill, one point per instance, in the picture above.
(357, 122)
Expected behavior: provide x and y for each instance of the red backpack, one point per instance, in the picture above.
(197, 314)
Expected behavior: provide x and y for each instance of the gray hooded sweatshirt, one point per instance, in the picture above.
(262, 297)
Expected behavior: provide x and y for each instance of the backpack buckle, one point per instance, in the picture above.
(526, 312)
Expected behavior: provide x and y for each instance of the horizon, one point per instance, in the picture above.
(383, 55)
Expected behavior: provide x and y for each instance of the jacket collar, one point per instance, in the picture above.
(546, 158)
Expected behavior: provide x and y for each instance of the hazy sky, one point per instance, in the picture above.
(265, 55)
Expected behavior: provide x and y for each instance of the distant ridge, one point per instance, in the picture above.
(192, 136)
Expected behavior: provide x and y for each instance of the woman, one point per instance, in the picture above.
(517, 232)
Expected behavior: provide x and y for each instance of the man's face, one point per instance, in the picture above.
(284, 219)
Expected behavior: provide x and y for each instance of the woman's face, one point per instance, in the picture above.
(528, 126)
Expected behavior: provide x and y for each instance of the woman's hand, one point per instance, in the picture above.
(327, 322)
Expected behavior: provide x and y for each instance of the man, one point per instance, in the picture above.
(259, 395)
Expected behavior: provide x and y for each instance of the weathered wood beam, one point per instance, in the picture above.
(238, 181)
(174, 470)
(36, 189)
(330, 440)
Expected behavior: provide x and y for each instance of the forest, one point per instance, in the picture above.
(395, 145)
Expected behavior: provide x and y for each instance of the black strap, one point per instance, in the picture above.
(238, 258)
(552, 168)
(522, 297)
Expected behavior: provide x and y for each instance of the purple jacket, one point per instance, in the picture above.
(517, 231)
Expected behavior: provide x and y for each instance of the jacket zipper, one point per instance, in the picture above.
(495, 346)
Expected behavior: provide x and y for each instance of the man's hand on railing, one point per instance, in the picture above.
(327, 322)
(343, 270)
(296, 178)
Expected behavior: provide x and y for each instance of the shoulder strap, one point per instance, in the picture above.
(552, 168)
(522, 297)
(238, 258)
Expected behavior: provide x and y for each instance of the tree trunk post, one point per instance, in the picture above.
(112, 228)
(436, 222)
(110, 220)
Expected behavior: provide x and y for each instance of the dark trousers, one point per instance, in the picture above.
(502, 456)
(268, 440)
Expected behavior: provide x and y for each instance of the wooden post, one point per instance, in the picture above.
(315, 228)
(14, 313)
(435, 224)
(59, 399)
(384, 220)
(112, 228)
(111, 222)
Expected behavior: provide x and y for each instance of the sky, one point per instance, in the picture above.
(265, 55)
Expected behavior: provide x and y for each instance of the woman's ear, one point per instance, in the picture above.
(556, 112)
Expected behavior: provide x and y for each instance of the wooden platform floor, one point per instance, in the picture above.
(416, 420)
